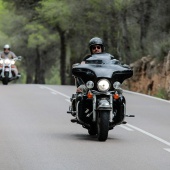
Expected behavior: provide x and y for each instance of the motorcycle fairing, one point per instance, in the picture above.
(99, 66)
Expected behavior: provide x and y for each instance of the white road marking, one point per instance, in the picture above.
(149, 134)
(167, 149)
(68, 100)
(124, 127)
(144, 95)
(55, 91)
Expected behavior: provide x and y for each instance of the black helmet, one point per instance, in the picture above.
(96, 41)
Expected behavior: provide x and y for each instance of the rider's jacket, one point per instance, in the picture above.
(10, 55)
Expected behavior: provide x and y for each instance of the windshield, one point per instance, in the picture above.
(102, 58)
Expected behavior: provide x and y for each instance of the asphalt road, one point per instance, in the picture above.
(36, 133)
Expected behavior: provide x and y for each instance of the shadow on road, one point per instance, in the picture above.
(87, 137)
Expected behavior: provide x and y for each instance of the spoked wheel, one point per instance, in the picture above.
(103, 125)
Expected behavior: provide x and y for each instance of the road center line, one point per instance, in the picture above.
(167, 149)
(54, 91)
(68, 100)
(124, 127)
(149, 134)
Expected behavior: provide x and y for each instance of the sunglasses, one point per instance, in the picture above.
(6, 48)
(97, 46)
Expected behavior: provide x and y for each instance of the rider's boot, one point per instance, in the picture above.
(19, 75)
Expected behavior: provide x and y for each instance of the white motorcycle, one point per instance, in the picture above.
(7, 74)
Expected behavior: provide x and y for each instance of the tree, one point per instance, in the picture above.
(57, 15)
(122, 8)
(144, 10)
(54, 34)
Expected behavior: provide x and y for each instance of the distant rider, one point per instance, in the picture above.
(7, 53)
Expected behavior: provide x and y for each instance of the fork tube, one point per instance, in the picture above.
(94, 108)
(10, 71)
(111, 112)
(3, 70)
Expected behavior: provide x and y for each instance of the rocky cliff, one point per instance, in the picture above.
(151, 77)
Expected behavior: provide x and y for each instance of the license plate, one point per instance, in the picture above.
(6, 69)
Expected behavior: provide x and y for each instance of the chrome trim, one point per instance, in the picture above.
(124, 110)
(111, 112)
(88, 115)
(104, 104)
(81, 122)
(77, 111)
(94, 108)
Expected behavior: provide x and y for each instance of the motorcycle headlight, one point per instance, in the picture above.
(89, 84)
(12, 62)
(1, 61)
(7, 61)
(103, 85)
(116, 85)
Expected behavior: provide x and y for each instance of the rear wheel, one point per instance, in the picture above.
(103, 125)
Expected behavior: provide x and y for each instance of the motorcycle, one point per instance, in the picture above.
(102, 106)
(7, 74)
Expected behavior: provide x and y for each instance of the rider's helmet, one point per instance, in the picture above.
(6, 47)
(96, 41)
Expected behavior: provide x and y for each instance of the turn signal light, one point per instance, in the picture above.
(116, 96)
(89, 95)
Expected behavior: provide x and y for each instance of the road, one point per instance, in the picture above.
(36, 133)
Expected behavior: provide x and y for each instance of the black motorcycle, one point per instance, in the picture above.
(102, 105)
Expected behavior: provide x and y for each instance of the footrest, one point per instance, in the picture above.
(74, 120)
(130, 115)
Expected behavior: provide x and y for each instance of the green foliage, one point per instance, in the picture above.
(55, 12)
(32, 29)
(162, 93)
(1, 7)
(53, 76)
(38, 35)
(161, 48)
(121, 4)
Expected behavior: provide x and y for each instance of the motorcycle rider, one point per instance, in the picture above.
(96, 46)
(7, 53)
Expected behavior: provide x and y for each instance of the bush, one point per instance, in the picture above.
(162, 93)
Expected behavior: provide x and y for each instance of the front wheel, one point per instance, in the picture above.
(5, 79)
(103, 125)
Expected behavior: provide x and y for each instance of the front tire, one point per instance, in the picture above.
(5, 79)
(103, 125)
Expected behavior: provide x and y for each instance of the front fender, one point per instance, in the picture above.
(104, 105)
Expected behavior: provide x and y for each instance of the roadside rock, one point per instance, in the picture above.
(150, 76)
